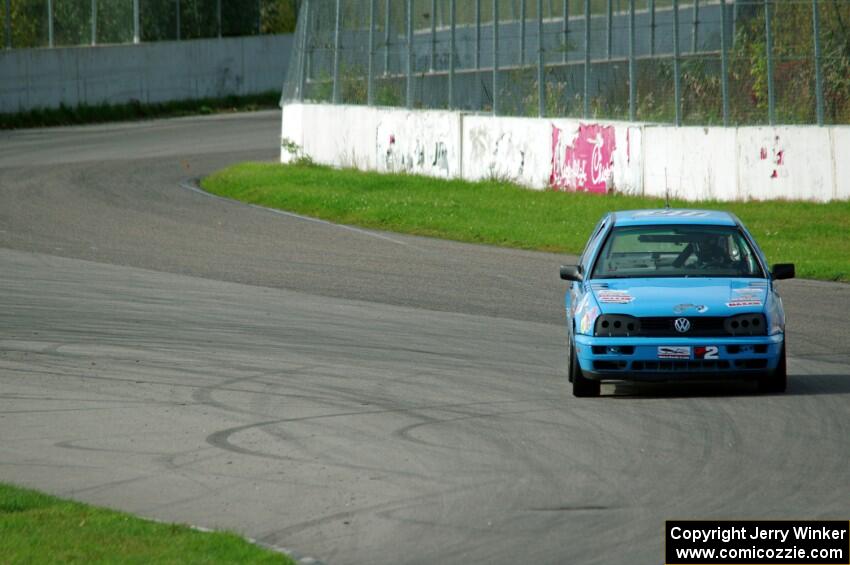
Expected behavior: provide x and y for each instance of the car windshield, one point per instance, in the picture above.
(676, 251)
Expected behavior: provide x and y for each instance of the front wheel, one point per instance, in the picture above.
(777, 381)
(582, 386)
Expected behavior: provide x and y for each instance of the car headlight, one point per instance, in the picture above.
(616, 325)
(746, 324)
(586, 320)
(777, 325)
(775, 315)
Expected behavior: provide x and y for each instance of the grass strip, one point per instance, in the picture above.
(101, 113)
(814, 236)
(37, 528)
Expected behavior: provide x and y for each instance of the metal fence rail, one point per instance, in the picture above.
(49, 23)
(680, 61)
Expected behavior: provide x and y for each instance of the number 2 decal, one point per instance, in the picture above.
(707, 352)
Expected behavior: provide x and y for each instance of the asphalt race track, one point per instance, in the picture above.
(355, 396)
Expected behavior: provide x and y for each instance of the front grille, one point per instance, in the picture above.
(751, 364)
(613, 349)
(679, 366)
(759, 349)
(610, 365)
(701, 326)
(666, 366)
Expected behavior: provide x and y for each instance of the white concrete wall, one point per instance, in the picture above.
(420, 142)
(786, 162)
(518, 149)
(693, 163)
(148, 72)
(841, 157)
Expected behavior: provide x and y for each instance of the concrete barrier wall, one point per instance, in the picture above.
(694, 163)
(148, 72)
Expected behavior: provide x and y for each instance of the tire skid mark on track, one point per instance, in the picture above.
(72, 444)
(400, 504)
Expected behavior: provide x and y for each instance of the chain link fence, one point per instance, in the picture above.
(701, 62)
(54, 23)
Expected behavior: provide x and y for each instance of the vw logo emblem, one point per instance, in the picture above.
(682, 325)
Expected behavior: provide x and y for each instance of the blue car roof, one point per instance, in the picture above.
(668, 216)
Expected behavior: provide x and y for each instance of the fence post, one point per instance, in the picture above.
(495, 57)
(478, 35)
(610, 23)
(137, 33)
(818, 69)
(695, 29)
(177, 13)
(735, 10)
(632, 64)
(677, 75)
(522, 12)
(433, 35)
(370, 85)
(724, 62)
(308, 71)
(410, 63)
(50, 23)
(586, 112)
(94, 22)
(478, 79)
(452, 46)
(566, 30)
(387, 23)
(768, 39)
(8, 21)
(337, 24)
(652, 27)
(304, 56)
(541, 71)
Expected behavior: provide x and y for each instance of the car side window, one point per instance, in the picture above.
(584, 260)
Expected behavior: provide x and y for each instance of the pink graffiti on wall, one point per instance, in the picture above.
(776, 156)
(583, 162)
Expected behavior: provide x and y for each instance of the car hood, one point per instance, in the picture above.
(680, 296)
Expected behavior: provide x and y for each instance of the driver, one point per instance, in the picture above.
(713, 251)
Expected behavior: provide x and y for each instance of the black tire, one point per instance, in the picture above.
(582, 387)
(777, 381)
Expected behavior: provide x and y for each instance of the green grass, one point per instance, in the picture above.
(37, 528)
(814, 236)
(85, 114)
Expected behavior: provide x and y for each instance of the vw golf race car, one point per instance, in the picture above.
(672, 295)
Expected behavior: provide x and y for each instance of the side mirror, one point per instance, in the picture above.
(571, 273)
(783, 271)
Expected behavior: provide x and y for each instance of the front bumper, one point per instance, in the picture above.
(662, 359)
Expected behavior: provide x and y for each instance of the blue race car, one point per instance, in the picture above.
(672, 295)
